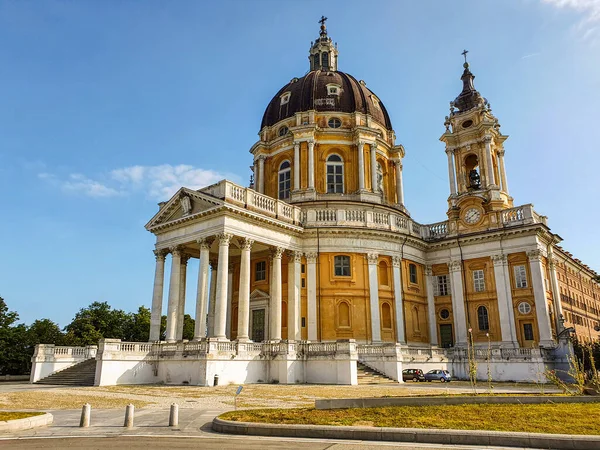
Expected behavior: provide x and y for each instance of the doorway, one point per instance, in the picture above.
(527, 335)
(446, 339)
(258, 325)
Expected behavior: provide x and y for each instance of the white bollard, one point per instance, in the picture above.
(86, 412)
(174, 415)
(129, 410)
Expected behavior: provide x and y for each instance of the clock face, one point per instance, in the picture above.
(473, 215)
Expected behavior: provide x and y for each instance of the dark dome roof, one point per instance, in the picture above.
(310, 92)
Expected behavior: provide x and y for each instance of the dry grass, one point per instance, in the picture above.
(573, 418)
(5, 416)
(63, 400)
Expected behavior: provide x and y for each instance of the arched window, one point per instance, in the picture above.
(335, 175)
(379, 178)
(285, 177)
(316, 61)
(283, 131)
(383, 274)
(325, 60)
(344, 315)
(482, 318)
(386, 316)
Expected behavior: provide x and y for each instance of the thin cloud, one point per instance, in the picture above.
(531, 55)
(589, 26)
(157, 182)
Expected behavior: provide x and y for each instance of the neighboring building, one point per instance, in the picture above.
(322, 248)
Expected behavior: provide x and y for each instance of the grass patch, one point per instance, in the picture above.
(5, 416)
(50, 400)
(566, 418)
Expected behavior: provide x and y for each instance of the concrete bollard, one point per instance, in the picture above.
(86, 412)
(174, 415)
(129, 410)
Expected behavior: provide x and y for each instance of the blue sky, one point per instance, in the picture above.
(107, 107)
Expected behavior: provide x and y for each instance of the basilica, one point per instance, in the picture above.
(318, 264)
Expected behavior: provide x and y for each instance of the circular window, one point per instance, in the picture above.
(524, 308)
(444, 314)
(467, 123)
(334, 123)
(283, 131)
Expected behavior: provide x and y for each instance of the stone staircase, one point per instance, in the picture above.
(368, 375)
(80, 374)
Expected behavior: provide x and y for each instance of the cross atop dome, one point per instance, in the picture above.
(323, 52)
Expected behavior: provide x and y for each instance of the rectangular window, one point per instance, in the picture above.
(303, 282)
(342, 266)
(528, 331)
(260, 272)
(285, 184)
(303, 268)
(478, 281)
(520, 277)
(441, 285)
(412, 273)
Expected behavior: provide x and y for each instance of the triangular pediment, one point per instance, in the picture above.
(185, 203)
(257, 294)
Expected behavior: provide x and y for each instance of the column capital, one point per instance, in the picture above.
(277, 252)
(311, 257)
(160, 254)
(396, 261)
(372, 258)
(246, 243)
(450, 150)
(500, 152)
(214, 264)
(428, 270)
(311, 142)
(499, 260)
(360, 143)
(535, 255)
(184, 259)
(294, 256)
(205, 243)
(297, 144)
(455, 266)
(224, 238)
(487, 139)
(176, 250)
(397, 163)
(373, 145)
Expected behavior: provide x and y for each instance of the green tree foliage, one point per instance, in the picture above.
(139, 329)
(15, 356)
(188, 327)
(44, 331)
(98, 321)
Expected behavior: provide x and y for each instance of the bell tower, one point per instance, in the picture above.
(475, 150)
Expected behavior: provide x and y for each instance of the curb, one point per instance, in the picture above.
(416, 435)
(24, 424)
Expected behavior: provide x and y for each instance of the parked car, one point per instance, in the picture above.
(437, 374)
(412, 374)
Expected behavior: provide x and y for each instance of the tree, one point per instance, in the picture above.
(98, 321)
(15, 355)
(140, 325)
(188, 327)
(44, 331)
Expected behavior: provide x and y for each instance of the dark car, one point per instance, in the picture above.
(413, 374)
(438, 374)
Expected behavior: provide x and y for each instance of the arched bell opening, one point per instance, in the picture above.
(473, 172)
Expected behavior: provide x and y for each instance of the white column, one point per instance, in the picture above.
(505, 307)
(293, 304)
(212, 298)
(451, 176)
(399, 188)
(539, 292)
(433, 337)
(244, 291)
(222, 281)
(558, 311)
(157, 296)
(202, 293)
(261, 174)
(311, 295)
(458, 303)
(491, 179)
(296, 166)
(229, 301)
(374, 186)
(500, 154)
(173, 294)
(372, 259)
(311, 164)
(182, 289)
(400, 333)
(275, 314)
(361, 166)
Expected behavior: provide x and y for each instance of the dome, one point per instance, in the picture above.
(312, 92)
